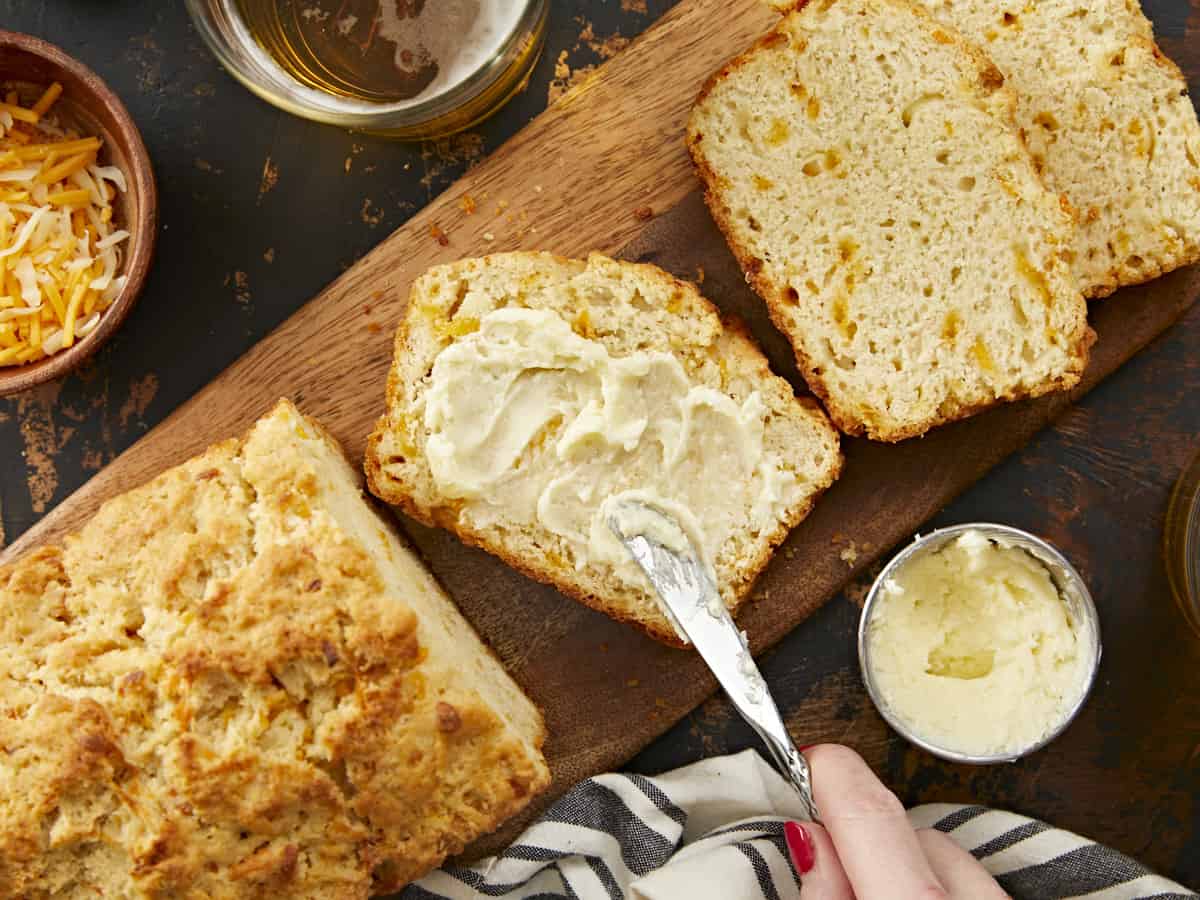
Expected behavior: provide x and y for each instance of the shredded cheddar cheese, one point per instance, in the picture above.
(59, 250)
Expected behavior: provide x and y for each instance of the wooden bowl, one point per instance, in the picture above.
(88, 105)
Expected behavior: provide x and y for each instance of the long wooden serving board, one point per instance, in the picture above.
(605, 169)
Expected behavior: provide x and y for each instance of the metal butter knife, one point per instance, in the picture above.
(691, 602)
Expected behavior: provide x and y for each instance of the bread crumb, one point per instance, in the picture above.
(699, 275)
(438, 235)
(488, 236)
(269, 255)
(632, 682)
(371, 217)
(467, 204)
(241, 287)
(270, 177)
(564, 78)
(645, 213)
(605, 48)
(850, 555)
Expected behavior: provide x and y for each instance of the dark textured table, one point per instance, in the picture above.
(260, 210)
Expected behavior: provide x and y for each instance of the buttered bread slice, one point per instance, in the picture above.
(236, 682)
(862, 161)
(1109, 122)
(530, 394)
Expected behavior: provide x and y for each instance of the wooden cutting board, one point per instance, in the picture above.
(604, 169)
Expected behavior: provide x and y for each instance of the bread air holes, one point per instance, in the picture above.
(778, 132)
(459, 296)
(1019, 313)
(842, 361)
(907, 114)
(950, 326)
(841, 317)
(1009, 20)
(1047, 121)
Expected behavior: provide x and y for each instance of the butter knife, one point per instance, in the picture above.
(693, 606)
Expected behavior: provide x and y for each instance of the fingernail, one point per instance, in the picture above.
(800, 847)
(806, 747)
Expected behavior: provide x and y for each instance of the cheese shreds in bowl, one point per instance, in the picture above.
(59, 249)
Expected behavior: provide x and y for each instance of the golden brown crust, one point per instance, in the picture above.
(851, 421)
(210, 691)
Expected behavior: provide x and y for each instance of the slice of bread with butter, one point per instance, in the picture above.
(529, 393)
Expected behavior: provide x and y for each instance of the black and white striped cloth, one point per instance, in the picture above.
(714, 831)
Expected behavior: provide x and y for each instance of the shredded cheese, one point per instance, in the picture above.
(59, 249)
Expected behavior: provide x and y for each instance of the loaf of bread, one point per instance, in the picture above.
(1109, 122)
(236, 682)
(863, 163)
(531, 393)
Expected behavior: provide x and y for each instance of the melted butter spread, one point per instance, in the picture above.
(529, 422)
(973, 647)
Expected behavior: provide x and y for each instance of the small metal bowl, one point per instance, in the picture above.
(1070, 586)
(89, 104)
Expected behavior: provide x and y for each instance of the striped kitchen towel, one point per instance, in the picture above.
(714, 831)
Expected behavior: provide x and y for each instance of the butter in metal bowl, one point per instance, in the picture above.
(973, 649)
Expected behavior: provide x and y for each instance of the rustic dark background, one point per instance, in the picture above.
(260, 210)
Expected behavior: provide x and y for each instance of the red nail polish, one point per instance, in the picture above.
(800, 847)
(806, 747)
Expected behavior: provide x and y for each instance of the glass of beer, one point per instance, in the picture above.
(1181, 542)
(406, 68)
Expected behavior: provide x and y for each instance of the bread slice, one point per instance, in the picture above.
(237, 682)
(862, 162)
(529, 390)
(1109, 122)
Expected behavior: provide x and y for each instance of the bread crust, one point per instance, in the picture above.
(211, 691)
(401, 493)
(847, 419)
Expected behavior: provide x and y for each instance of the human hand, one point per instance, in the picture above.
(865, 849)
